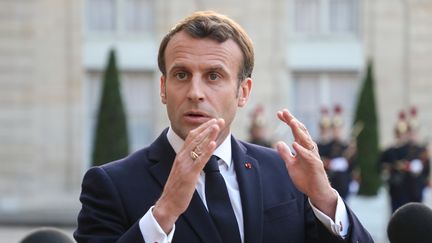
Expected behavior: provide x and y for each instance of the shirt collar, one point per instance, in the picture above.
(223, 151)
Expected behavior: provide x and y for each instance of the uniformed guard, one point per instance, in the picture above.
(325, 136)
(339, 168)
(407, 163)
(392, 166)
(257, 131)
(418, 159)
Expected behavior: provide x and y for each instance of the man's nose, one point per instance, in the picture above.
(196, 89)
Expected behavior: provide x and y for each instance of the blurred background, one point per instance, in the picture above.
(310, 54)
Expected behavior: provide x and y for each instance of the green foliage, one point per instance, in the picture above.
(368, 140)
(111, 137)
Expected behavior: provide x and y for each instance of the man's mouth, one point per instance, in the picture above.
(196, 116)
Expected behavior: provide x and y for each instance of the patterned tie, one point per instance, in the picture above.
(218, 203)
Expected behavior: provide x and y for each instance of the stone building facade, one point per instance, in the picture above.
(41, 84)
(309, 54)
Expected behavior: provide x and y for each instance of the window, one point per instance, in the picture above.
(307, 16)
(139, 93)
(316, 90)
(101, 15)
(343, 16)
(315, 17)
(120, 16)
(138, 96)
(138, 15)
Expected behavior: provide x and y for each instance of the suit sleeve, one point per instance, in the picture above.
(102, 217)
(357, 233)
(317, 232)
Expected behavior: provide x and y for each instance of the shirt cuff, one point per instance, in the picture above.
(151, 230)
(341, 224)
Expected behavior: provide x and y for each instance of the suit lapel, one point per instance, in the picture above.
(162, 154)
(196, 214)
(247, 171)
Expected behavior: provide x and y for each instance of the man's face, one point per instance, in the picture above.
(201, 82)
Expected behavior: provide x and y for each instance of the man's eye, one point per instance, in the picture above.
(213, 76)
(181, 76)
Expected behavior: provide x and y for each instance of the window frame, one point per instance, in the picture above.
(324, 26)
(120, 22)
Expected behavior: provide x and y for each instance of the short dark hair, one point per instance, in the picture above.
(218, 27)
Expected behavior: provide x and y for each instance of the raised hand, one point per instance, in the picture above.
(306, 168)
(189, 162)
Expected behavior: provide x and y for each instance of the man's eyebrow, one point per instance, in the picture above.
(177, 66)
(217, 67)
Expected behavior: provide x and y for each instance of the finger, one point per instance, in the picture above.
(307, 142)
(211, 134)
(300, 132)
(303, 128)
(280, 116)
(191, 150)
(290, 120)
(196, 136)
(298, 129)
(285, 152)
(303, 152)
(193, 140)
(195, 132)
(209, 145)
(285, 116)
(205, 157)
(220, 123)
(200, 133)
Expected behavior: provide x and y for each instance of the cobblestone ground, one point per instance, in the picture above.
(373, 212)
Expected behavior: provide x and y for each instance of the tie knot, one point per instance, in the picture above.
(212, 165)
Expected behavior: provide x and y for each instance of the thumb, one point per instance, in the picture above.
(285, 152)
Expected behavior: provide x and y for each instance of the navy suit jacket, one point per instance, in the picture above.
(115, 196)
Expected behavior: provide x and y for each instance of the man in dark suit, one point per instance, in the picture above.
(196, 182)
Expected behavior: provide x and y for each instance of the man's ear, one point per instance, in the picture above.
(244, 92)
(162, 91)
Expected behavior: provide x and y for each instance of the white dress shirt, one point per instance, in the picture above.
(152, 232)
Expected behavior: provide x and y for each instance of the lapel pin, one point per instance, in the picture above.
(248, 165)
